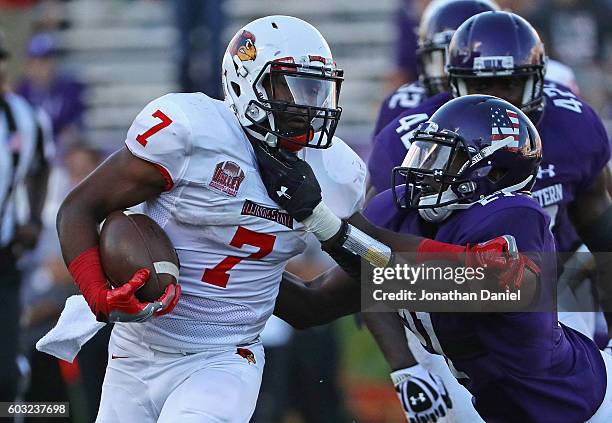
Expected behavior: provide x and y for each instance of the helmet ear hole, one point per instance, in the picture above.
(496, 174)
(236, 88)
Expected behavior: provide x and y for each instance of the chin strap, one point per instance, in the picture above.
(292, 143)
(304, 138)
(297, 142)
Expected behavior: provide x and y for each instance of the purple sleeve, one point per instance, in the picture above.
(384, 116)
(381, 209)
(381, 161)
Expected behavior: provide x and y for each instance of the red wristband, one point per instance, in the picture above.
(430, 249)
(86, 270)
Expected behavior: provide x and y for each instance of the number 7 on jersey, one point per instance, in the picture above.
(219, 275)
(165, 122)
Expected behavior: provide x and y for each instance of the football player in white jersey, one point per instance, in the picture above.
(191, 161)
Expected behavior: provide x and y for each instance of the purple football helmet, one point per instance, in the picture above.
(440, 20)
(472, 147)
(494, 45)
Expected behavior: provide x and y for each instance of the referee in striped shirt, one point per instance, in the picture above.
(25, 153)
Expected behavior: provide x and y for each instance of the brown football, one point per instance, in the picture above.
(131, 241)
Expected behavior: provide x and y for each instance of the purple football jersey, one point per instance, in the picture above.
(406, 97)
(575, 150)
(519, 366)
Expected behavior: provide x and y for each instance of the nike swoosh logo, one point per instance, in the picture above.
(113, 357)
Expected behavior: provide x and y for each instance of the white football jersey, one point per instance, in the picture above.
(232, 240)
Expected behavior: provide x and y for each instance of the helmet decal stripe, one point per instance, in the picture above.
(504, 126)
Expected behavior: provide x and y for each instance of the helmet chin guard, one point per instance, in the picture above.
(436, 214)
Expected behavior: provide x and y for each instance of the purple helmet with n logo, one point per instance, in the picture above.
(496, 45)
(440, 20)
(472, 147)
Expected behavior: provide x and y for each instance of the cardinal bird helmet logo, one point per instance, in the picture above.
(243, 46)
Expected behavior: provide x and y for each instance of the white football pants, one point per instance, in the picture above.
(146, 385)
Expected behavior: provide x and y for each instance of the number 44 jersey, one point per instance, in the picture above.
(232, 240)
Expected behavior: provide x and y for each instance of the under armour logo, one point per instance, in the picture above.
(546, 173)
(283, 192)
(421, 398)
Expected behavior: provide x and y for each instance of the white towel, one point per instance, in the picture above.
(76, 325)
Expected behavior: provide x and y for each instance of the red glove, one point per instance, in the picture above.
(499, 253)
(169, 300)
(119, 304)
(123, 305)
(496, 253)
(512, 278)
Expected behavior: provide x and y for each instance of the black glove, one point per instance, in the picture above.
(289, 180)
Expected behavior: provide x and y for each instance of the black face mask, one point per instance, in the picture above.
(302, 101)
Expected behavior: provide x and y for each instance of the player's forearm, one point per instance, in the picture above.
(359, 243)
(603, 282)
(331, 295)
(591, 215)
(597, 236)
(381, 247)
(122, 181)
(398, 242)
(388, 331)
(76, 226)
(294, 302)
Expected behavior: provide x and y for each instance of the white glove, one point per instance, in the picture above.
(422, 394)
(608, 348)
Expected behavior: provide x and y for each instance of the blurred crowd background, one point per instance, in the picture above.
(93, 64)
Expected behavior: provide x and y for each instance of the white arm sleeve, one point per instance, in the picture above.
(161, 134)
